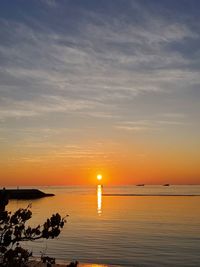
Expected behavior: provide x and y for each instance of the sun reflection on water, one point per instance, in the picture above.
(93, 265)
(99, 199)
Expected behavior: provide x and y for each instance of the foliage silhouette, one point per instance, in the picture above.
(13, 231)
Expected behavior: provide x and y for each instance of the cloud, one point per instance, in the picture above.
(46, 104)
(50, 3)
(132, 128)
(98, 65)
(153, 124)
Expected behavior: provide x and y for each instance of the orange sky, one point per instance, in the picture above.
(119, 167)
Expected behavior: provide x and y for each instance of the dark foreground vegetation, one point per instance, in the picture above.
(14, 231)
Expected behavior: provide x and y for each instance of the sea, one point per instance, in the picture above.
(145, 226)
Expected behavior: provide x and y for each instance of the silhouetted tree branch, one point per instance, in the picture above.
(13, 231)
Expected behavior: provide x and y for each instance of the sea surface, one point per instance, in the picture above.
(128, 228)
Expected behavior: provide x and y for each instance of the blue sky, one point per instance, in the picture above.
(75, 74)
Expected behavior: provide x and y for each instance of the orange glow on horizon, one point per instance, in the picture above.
(157, 167)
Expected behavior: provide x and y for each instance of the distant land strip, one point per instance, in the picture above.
(151, 195)
(24, 193)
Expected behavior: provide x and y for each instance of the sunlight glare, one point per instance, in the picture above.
(99, 177)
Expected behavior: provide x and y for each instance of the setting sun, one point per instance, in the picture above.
(99, 177)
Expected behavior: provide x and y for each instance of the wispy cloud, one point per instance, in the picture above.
(127, 67)
(153, 124)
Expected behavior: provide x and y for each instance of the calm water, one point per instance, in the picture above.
(122, 230)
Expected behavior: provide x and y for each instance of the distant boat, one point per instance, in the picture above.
(139, 184)
(166, 185)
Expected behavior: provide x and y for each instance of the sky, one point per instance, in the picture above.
(110, 87)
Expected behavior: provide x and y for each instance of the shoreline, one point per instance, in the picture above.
(35, 263)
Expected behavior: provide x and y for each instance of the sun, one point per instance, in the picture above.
(99, 177)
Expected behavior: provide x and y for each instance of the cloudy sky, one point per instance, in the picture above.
(110, 86)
